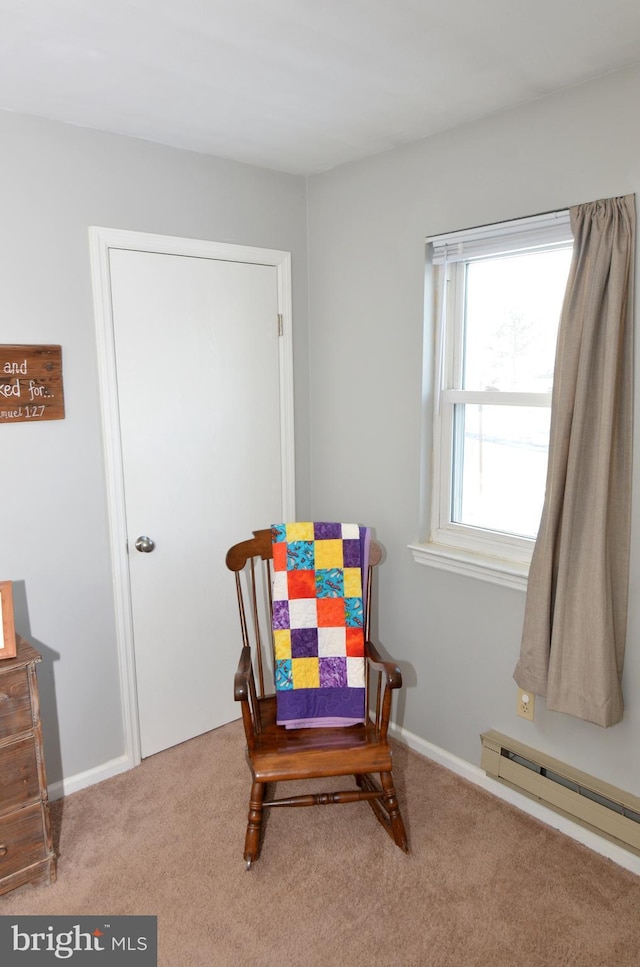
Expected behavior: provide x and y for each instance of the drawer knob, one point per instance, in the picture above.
(3, 849)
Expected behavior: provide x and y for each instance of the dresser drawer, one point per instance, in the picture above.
(22, 839)
(18, 774)
(15, 703)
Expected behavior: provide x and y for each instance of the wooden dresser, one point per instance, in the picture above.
(26, 851)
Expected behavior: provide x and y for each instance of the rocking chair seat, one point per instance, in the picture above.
(281, 754)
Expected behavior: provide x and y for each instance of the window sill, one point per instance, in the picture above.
(494, 570)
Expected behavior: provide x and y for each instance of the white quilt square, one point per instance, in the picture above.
(280, 591)
(303, 613)
(332, 642)
(355, 672)
(350, 532)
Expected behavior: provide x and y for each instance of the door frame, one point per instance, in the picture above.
(101, 241)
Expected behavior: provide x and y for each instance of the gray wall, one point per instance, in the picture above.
(56, 181)
(358, 446)
(458, 637)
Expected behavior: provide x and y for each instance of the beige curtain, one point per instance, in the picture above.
(576, 608)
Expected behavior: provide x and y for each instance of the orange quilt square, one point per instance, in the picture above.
(301, 584)
(331, 612)
(280, 556)
(355, 643)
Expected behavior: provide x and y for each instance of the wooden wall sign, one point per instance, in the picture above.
(31, 384)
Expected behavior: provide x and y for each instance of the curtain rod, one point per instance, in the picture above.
(518, 218)
(502, 221)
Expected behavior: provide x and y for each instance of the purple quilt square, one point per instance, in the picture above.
(327, 532)
(351, 552)
(333, 672)
(304, 643)
(280, 615)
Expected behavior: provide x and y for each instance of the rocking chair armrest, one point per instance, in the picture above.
(391, 670)
(241, 686)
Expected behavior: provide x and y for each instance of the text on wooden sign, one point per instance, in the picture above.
(31, 384)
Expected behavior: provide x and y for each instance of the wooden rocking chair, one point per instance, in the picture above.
(275, 753)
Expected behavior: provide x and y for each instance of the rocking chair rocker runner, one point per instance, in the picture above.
(275, 753)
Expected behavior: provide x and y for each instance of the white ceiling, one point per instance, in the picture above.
(299, 85)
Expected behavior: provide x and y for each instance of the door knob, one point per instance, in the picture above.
(145, 545)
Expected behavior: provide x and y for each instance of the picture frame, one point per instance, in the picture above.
(8, 637)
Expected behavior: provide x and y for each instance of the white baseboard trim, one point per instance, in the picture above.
(64, 787)
(476, 775)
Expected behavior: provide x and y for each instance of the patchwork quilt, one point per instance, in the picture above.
(318, 623)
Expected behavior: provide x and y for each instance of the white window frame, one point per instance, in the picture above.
(488, 555)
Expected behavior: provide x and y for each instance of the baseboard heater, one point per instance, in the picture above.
(603, 808)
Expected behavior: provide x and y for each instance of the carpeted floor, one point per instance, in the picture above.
(484, 885)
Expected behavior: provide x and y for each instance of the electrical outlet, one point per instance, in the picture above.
(526, 704)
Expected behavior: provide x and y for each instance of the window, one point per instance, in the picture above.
(498, 297)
